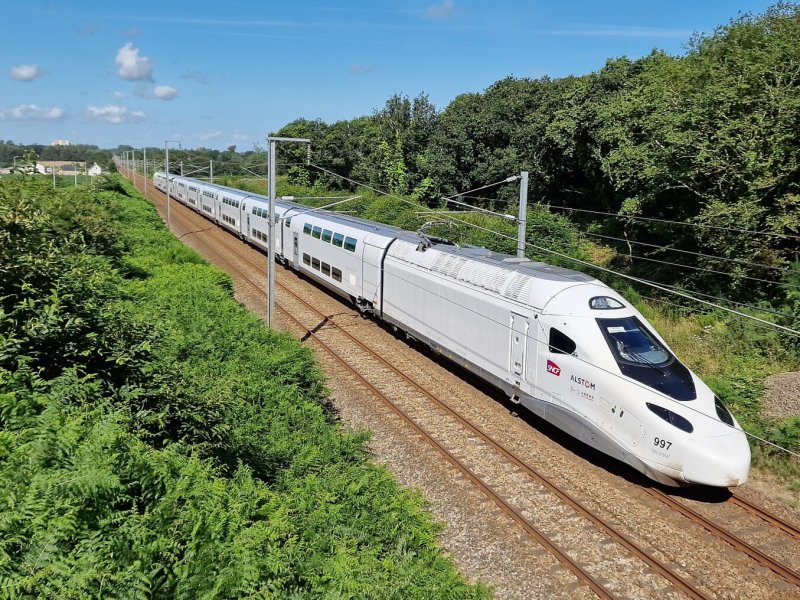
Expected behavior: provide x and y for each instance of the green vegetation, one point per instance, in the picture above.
(732, 356)
(28, 154)
(709, 138)
(157, 440)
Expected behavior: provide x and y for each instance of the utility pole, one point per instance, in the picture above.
(273, 142)
(211, 170)
(166, 170)
(181, 168)
(144, 162)
(522, 222)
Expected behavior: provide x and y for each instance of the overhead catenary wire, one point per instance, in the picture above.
(573, 259)
(694, 268)
(745, 305)
(542, 342)
(700, 254)
(636, 242)
(684, 223)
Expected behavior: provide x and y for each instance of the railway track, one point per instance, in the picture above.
(317, 331)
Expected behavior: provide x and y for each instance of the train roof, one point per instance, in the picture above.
(522, 280)
(363, 224)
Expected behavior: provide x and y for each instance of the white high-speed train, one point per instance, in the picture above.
(557, 341)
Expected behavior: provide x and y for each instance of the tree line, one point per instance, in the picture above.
(11, 153)
(157, 442)
(708, 138)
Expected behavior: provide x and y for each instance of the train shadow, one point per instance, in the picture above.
(557, 436)
(567, 442)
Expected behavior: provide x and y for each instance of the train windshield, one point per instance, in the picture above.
(642, 357)
(631, 342)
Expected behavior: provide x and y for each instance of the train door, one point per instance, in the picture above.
(371, 272)
(295, 251)
(248, 226)
(519, 346)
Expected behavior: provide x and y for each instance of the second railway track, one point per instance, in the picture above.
(551, 515)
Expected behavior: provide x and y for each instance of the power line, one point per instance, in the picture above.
(583, 262)
(685, 223)
(679, 265)
(733, 260)
(542, 342)
(496, 183)
(743, 304)
(608, 237)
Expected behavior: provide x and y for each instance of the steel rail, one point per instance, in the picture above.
(736, 542)
(678, 582)
(513, 513)
(765, 515)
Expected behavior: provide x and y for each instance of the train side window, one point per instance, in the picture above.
(315, 263)
(350, 244)
(336, 274)
(560, 343)
(307, 229)
(326, 235)
(316, 232)
(288, 221)
(306, 259)
(326, 269)
(338, 239)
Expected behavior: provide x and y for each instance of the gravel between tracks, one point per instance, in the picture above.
(781, 397)
(482, 541)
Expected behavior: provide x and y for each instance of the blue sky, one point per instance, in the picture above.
(216, 73)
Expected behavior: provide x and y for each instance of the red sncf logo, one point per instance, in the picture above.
(553, 368)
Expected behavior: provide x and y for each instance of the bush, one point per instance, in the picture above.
(157, 440)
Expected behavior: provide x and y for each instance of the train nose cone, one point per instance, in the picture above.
(721, 461)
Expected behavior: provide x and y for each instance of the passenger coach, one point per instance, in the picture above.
(557, 341)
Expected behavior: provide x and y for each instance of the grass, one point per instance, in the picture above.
(158, 440)
(734, 358)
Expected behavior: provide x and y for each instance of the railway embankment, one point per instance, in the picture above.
(156, 439)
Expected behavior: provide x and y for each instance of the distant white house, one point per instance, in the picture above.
(95, 170)
(61, 167)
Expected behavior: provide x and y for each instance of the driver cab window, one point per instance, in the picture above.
(560, 343)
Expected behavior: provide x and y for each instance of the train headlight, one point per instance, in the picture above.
(723, 413)
(670, 417)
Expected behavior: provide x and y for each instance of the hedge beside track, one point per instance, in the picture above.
(157, 441)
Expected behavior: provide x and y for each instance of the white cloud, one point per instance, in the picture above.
(31, 112)
(26, 72)
(120, 95)
(441, 11)
(114, 113)
(208, 136)
(132, 66)
(89, 29)
(164, 92)
(363, 69)
(198, 76)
